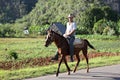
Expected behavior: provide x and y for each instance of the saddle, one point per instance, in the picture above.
(78, 43)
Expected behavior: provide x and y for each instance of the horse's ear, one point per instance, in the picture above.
(52, 31)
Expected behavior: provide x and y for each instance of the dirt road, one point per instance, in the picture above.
(100, 73)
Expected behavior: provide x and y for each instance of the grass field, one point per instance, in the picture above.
(30, 48)
(34, 47)
(25, 47)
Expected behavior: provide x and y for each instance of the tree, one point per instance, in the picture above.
(106, 27)
(110, 14)
(118, 23)
(91, 16)
(10, 10)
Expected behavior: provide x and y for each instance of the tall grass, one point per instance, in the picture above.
(34, 47)
(103, 43)
(25, 47)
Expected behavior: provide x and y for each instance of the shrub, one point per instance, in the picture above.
(99, 26)
(113, 28)
(118, 23)
(11, 30)
(41, 30)
(6, 30)
(105, 27)
(13, 55)
(108, 31)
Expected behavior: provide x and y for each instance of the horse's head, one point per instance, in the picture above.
(49, 38)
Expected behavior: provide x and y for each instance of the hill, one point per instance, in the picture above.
(10, 10)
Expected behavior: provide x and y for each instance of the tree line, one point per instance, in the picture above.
(91, 16)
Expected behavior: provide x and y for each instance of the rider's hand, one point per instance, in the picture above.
(64, 35)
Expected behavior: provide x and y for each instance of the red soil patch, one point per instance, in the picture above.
(46, 61)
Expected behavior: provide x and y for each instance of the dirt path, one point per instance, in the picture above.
(100, 73)
(8, 65)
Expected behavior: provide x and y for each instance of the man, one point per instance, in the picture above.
(70, 35)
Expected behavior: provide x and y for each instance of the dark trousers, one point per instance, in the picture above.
(71, 41)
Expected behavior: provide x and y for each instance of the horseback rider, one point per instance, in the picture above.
(70, 35)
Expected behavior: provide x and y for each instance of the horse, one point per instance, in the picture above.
(63, 49)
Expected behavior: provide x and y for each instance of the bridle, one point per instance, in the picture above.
(50, 38)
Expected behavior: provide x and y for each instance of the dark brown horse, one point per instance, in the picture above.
(63, 49)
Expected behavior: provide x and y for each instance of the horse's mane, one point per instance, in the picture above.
(60, 36)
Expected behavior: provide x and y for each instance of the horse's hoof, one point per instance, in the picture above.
(68, 73)
(87, 71)
(56, 74)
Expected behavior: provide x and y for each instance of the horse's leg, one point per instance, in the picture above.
(65, 61)
(59, 66)
(78, 60)
(86, 57)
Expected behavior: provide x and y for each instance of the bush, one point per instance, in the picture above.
(6, 30)
(38, 30)
(81, 30)
(13, 55)
(118, 23)
(105, 27)
(113, 28)
(99, 26)
(108, 31)
(12, 30)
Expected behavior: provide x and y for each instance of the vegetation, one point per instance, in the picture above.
(87, 15)
(13, 55)
(34, 47)
(106, 27)
(16, 16)
(11, 10)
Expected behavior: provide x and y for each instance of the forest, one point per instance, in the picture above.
(91, 16)
(10, 10)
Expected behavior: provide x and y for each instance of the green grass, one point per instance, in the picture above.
(51, 69)
(107, 45)
(25, 47)
(34, 47)
(99, 37)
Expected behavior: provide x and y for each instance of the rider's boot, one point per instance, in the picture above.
(55, 58)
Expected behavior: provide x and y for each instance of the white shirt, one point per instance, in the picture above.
(70, 27)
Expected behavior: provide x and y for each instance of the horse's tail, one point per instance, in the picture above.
(89, 44)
